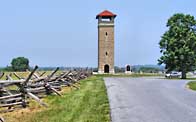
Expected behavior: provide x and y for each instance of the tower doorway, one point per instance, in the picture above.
(106, 69)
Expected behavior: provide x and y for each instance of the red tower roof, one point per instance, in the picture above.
(105, 13)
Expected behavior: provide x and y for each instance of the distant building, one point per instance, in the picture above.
(106, 42)
(128, 69)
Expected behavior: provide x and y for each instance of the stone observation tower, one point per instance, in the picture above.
(106, 42)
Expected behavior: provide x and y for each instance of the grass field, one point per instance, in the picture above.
(25, 74)
(88, 104)
(192, 85)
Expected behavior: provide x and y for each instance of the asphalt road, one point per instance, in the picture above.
(150, 100)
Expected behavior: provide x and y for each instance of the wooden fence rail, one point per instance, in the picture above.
(16, 93)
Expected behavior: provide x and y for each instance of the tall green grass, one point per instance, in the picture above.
(88, 104)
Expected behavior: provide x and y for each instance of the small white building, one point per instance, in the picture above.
(128, 69)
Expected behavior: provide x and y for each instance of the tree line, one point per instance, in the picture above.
(18, 64)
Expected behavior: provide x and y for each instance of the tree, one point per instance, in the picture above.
(20, 64)
(178, 44)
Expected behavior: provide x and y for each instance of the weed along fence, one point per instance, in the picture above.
(15, 94)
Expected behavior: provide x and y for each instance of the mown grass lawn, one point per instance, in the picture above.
(88, 104)
(192, 85)
(130, 75)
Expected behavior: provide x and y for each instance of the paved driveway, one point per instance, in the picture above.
(150, 100)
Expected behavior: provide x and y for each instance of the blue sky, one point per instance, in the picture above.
(64, 33)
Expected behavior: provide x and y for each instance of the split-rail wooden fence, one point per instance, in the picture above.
(15, 94)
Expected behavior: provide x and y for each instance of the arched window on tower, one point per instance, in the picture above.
(106, 53)
(106, 36)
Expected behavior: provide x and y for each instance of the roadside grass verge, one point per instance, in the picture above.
(191, 78)
(88, 104)
(192, 85)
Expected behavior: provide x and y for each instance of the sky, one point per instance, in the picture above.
(64, 32)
